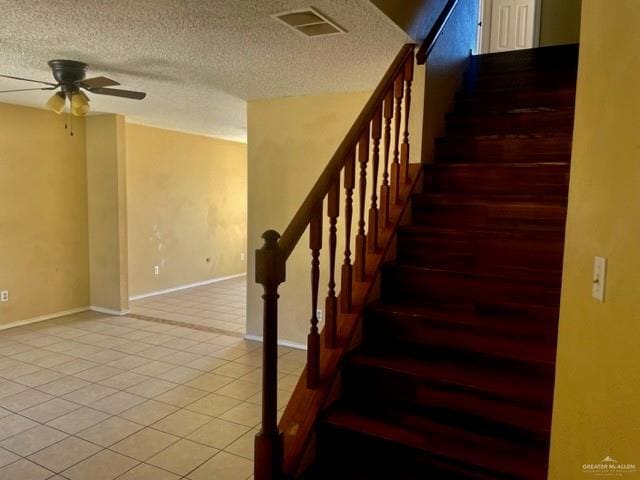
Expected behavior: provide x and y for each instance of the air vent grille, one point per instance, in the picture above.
(308, 22)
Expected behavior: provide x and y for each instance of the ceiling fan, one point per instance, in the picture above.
(70, 79)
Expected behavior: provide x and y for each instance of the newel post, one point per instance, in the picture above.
(270, 273)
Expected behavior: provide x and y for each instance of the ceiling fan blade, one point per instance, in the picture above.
(28, 89)
(119, 93)
(97, 82)
(28, 80)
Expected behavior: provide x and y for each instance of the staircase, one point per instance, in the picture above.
(454, 378)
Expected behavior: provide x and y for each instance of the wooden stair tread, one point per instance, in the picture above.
(512, 111)
(517, 231)
(490, 165)
(475, 275)
(488, 199)
(509, 338)
(541, 179)
(508, 148)
(484, 380)
(554, 55)
(538, 136)
(444, 442)
(449, 406)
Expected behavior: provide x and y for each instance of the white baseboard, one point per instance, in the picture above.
(42, 318)
(108, 311)
(184, 287)
(282, 343)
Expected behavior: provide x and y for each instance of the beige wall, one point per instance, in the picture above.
(187, 208)
(560, 21)
(290, 140)
(416, 17)
(43, 214)
(107, 200)
(597, 397)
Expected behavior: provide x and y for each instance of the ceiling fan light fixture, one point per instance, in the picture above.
(79, 104)
(56, 103)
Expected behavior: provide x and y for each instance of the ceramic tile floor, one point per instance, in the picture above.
(96, 397)
(220, 306)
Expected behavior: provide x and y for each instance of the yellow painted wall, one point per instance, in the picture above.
(597, 397)
(560, 21)
(187, 199)
(107, 201)
(290, 140)
(43, 214)
(416, 17)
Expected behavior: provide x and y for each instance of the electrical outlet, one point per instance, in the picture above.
(599, 278)
(4, 296)
(319, 314)
(156, 270)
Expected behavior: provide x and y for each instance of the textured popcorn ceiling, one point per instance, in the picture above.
(199, 61)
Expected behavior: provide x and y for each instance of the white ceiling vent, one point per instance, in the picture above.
(308, 22)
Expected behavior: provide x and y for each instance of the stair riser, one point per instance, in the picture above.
(557, 58)
(398, 332)
(560, 121)
(500, 180)
(426, 212)
(370, 387)
(379, 459)
(429, 287)
(398, 327)
(523, 77)
(499, 102)
(384, 460)
(510, 97)
(511, 150)
(518, 83)
(521, 258)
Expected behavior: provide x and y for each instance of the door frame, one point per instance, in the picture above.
(484, 25)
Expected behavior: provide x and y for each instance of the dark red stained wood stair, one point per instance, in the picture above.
(454, 377)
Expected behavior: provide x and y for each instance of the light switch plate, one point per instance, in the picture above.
(599, 278)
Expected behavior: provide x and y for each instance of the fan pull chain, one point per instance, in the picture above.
(68, 120)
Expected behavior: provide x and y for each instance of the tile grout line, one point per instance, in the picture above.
(109, 325)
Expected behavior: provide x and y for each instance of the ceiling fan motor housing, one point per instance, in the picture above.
(67, 73)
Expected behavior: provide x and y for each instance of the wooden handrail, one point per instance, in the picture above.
(300, 221)
(432, 38)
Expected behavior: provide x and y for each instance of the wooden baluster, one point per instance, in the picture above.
(384, 189)
(331, 302)
(347, 269)
(372, 234)
(313, 339)
(404, 154)
(398, 88)
(270, 273)
(361, 237)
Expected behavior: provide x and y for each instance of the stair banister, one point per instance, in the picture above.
(388, 106)
(271, 259)
(291, 235)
